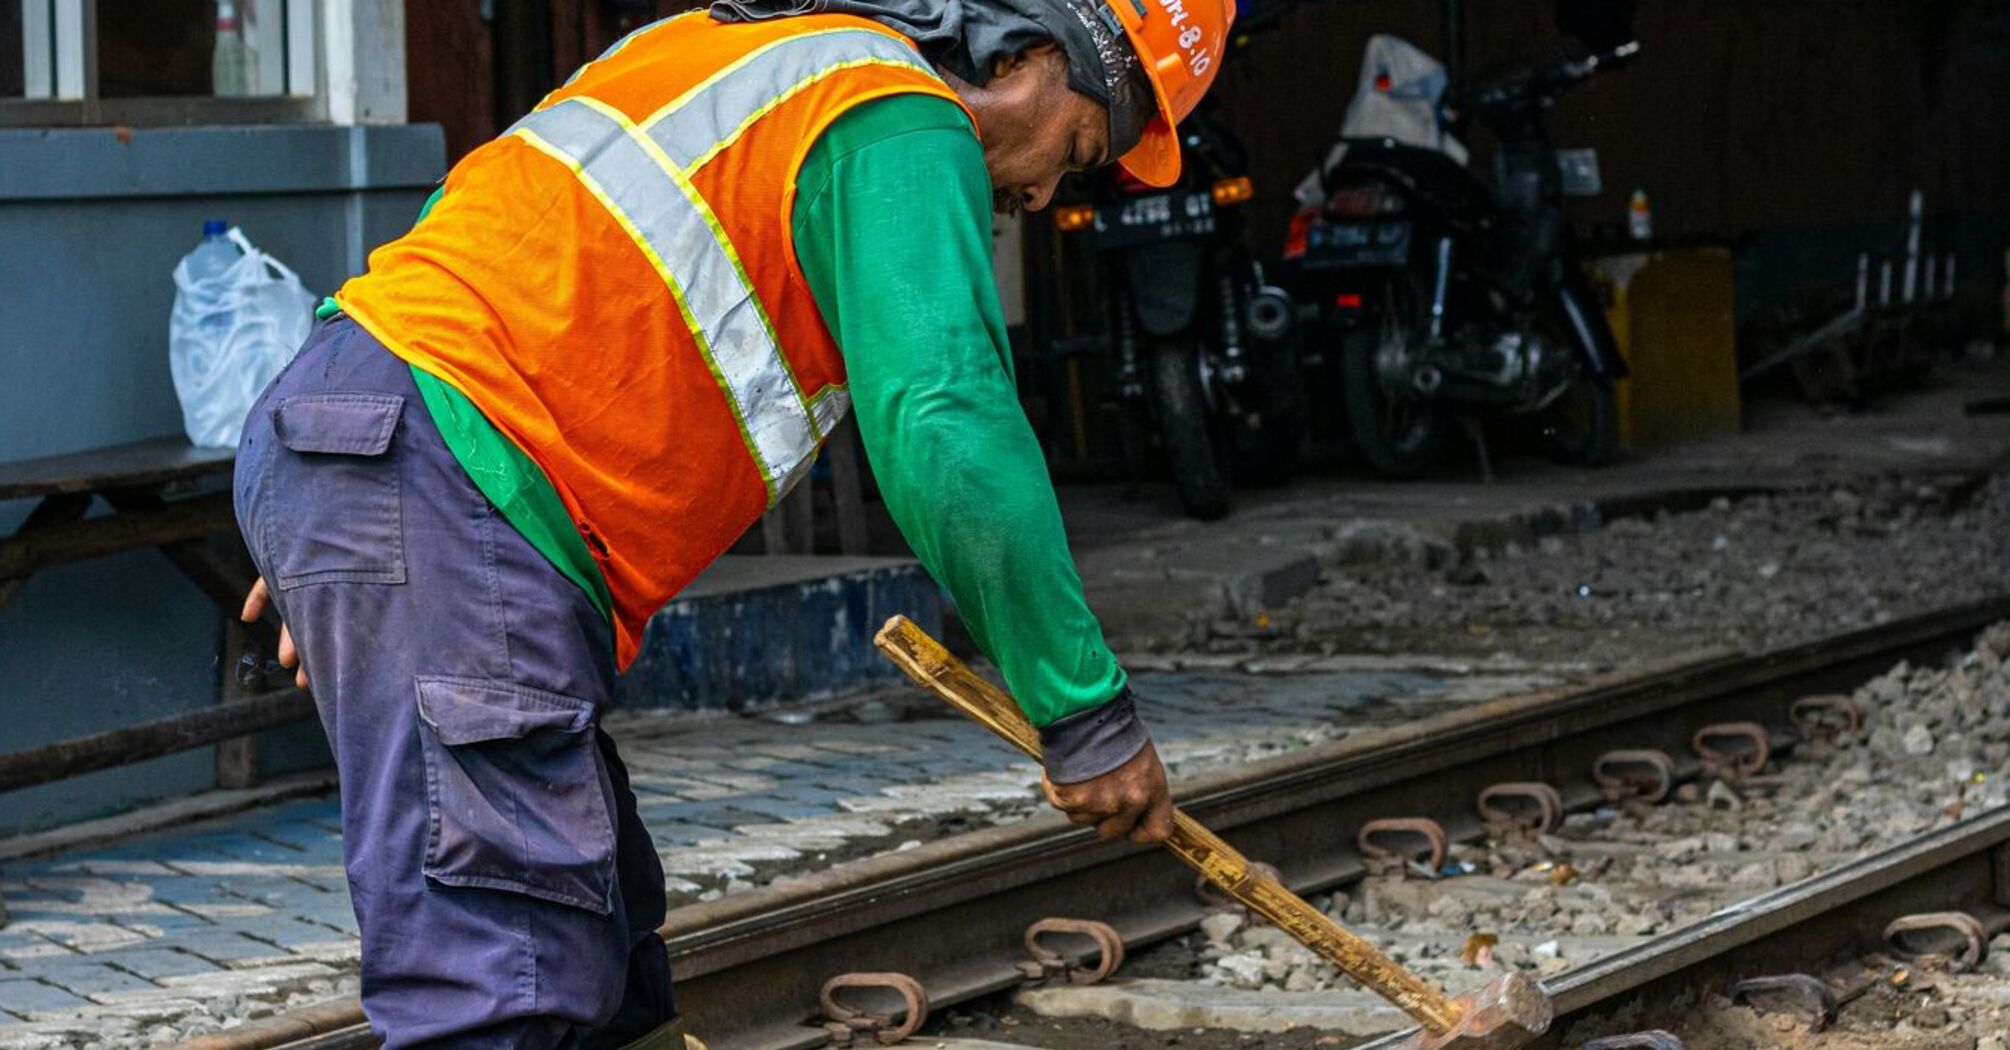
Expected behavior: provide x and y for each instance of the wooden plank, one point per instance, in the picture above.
(236, 758)
(848, 487)
(141, 464)
(801, 509)
(53, 512)
(188, 519)
(774, 532)
(162, 736)
(450, 73)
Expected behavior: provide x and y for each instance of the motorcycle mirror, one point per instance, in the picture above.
(1604, 24)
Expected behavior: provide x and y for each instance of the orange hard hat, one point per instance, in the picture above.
(1180, 44)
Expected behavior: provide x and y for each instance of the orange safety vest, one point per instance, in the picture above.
(614, 284)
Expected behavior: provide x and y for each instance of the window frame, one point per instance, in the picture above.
(73, 80)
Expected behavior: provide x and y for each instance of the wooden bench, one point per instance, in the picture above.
(138, 482)
(161, 493)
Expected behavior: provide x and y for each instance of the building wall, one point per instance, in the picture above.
(91, 225)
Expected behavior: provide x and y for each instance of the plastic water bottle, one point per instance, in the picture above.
(230, 67)
(206, 265)
(1640, 217)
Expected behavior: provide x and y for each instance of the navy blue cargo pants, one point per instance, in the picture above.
(508, 895)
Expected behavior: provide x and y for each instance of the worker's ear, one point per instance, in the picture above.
(1043, 51)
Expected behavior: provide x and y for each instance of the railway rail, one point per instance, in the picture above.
(1786, 938)
(749, 967)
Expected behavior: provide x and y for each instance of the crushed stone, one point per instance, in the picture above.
(1745, 573)
(1610, 878)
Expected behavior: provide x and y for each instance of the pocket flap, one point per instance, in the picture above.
(345, 424)
(472, 710)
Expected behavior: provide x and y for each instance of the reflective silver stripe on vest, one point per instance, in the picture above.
(830, 406)
(716, 113)
(659, 210)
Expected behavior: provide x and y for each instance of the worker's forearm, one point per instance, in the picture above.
(963, 477)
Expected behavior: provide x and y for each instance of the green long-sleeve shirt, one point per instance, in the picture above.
(892, 230)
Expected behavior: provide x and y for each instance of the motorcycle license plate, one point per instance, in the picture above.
(1159, 217)
(1334, 245)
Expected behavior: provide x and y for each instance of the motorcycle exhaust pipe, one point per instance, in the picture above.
(1270, 313)
(1428, 380)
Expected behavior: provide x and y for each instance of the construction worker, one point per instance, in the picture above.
(616, 338)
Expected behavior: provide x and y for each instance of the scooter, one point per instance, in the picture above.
(1453, 299)
(1201, 340)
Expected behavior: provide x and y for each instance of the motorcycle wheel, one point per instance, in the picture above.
(1581, 427)
(1179, 400)
(1269, 454)
(1397, 430)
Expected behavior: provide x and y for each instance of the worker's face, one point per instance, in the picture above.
(1035, 127)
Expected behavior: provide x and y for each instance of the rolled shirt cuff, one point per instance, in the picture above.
(1087, 745)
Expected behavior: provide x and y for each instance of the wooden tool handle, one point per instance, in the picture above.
(928, 663)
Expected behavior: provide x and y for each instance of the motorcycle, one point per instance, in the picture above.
(1200, 338)
(1454, 299)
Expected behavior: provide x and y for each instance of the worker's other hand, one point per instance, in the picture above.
(1130, 800)
(289, 657)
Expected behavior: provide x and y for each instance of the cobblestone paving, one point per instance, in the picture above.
(199, 927)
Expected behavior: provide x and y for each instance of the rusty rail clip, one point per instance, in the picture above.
(1543, 815)
(1965, 929)
(1815, 995)
(1733, 765)
(1211, 896)
(1828, 718)
(1046, 962)
(1383, 859)
(846, 1021)
(1652, 1039)
(1646, 774)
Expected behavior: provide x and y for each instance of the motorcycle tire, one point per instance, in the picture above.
(1270, 453)
(1581, 429)
(1186, 427)
(1399, 436)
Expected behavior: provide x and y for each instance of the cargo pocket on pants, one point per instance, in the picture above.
(517, 792)
(335, 514)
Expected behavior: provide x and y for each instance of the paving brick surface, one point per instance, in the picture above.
(195, 925)
(21, 997)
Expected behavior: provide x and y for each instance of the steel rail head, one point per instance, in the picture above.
(1815, 997)
(1831, 717)
(1645, 774)
(1542, 814)
(1046, 961)
(1652, 1039)
(847, 1020)
(1955, 936)
(1736, 763)
(1373, 837)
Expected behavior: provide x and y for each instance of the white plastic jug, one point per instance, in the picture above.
(239, 316)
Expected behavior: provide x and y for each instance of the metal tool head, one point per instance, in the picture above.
(1506, 1013)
